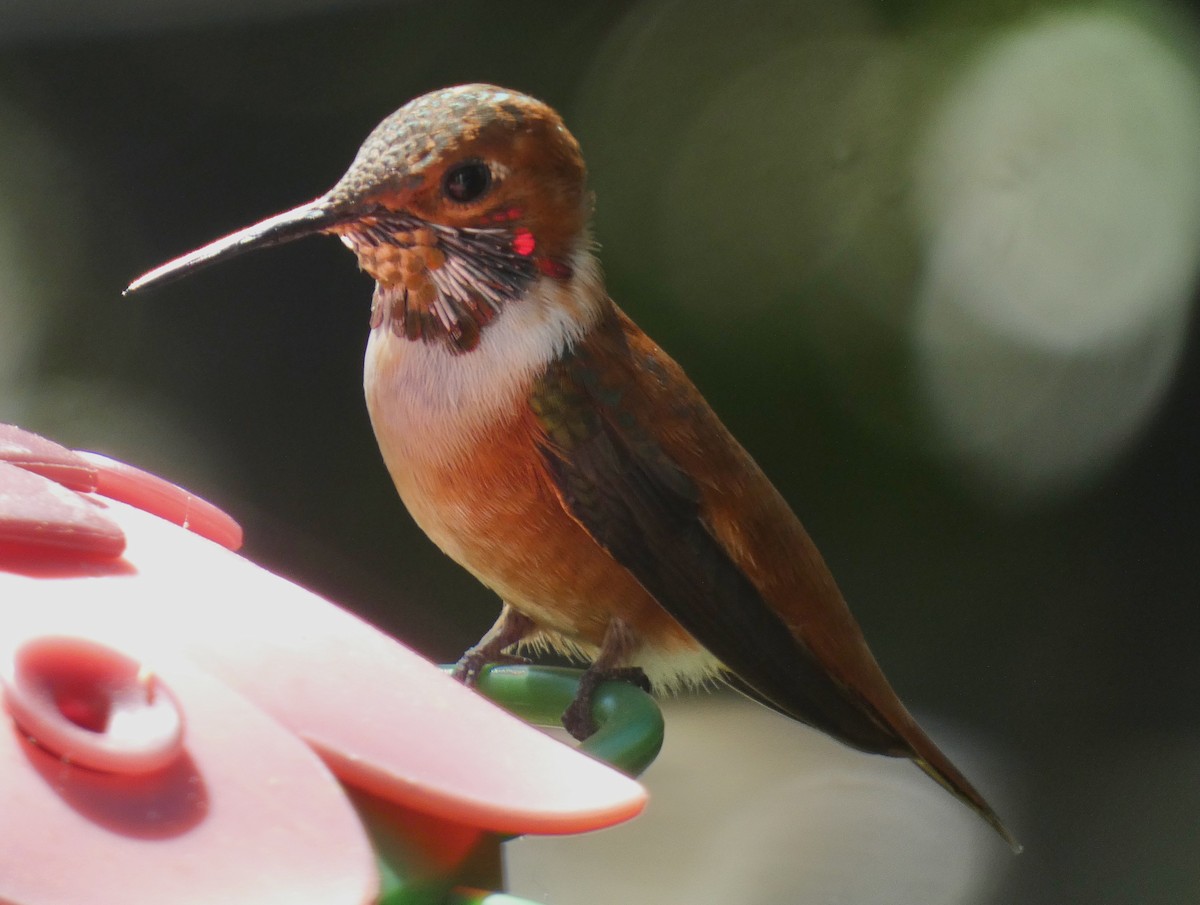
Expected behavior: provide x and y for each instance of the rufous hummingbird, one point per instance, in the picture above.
(550, 447)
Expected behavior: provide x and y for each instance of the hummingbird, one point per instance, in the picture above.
(549, 446)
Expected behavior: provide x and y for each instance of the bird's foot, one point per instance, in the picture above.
(470, 665)
(510, 629)
(577, 719)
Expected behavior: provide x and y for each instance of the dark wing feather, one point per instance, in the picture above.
(645, 512)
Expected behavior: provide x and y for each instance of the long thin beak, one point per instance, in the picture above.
(307, 219)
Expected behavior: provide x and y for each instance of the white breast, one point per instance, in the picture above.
(430, 405)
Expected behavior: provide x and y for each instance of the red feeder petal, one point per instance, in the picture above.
(119, 481)
(36, 514)
(45, 457)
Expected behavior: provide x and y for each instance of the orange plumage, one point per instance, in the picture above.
(544, 442)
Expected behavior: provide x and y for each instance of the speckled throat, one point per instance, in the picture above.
(439, 283)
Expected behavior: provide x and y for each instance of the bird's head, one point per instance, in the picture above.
(455, 204)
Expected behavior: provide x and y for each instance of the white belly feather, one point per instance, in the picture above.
(430, 405)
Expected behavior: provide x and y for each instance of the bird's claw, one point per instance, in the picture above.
(470, 665)
(577, 719)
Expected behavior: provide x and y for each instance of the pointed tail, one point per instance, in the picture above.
(926, 755)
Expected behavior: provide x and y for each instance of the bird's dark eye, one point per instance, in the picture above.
(467, 182)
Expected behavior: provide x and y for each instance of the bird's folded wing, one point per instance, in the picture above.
(646, 513)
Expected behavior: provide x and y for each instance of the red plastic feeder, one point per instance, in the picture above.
(180, 725)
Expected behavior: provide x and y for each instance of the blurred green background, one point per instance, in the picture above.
(933, 263)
